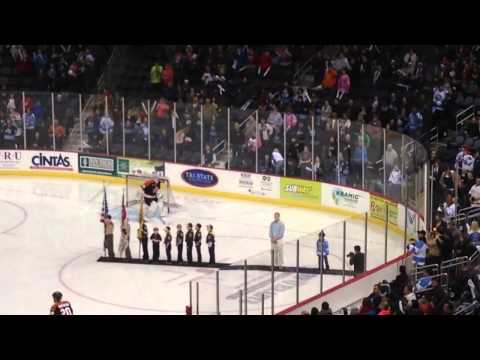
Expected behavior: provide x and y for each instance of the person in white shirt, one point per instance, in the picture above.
(277, 161)
(475, 193)
(391, 157)
(464, 160)
(394, 182)
(449, 208)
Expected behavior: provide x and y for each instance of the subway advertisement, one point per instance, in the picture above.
(300, 190)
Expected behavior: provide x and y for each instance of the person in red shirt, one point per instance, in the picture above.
(385, 308)
(265, 63)
(59, 306)
(167, 75)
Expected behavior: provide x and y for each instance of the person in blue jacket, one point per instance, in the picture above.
(323, 249)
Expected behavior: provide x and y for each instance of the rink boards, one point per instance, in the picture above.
(342, 200)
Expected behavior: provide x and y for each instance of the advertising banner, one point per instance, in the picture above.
(258, 185)
(127, 166)
(301, 190)
(99, 165)
(53, 160)
(38, 160)
(347, 198)
(13, 160)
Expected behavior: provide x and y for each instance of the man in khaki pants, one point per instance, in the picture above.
(277, 230)
(108, 243)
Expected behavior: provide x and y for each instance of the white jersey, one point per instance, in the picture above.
(395, 177)
(475, 194)
(449, 211)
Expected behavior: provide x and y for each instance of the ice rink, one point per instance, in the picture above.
(51, 238)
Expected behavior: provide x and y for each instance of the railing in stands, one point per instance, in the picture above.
(463, 116)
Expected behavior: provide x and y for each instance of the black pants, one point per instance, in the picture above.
(149, 201)
(108, 244)
(189, 253)
(179, 252)
(211, 253)
(325, 262)
(156, 251)
(128, 253)
(145, 249)
(199, 253)
(168, 250)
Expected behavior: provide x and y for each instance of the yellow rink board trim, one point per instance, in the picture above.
(222, 194)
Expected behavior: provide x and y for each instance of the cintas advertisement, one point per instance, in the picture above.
(38, 160)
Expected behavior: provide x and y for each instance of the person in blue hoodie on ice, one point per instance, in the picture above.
(323, 250)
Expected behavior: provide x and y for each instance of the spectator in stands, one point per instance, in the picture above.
(449, 208)
(209, 157)
(9, 131)
(277, 161)
(59, 133)
(318, 169)
(475, 193)
(414, 123)
(433, 252)
(367, 307)
(409, 295)
(168, 76)
(395, 182)
(305, 163)
(385, 308)
(314, 311)
(156, 77)
(391, 158)
(420, 249)
(474, 234)
(265, 63)
(329, 79)
(343, 85)
(325, 309)
(106, 129)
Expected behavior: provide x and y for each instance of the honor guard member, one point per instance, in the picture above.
(179, 243)
(108, 243)
(124, 247)
(198, 242)
(59, 306)
(211, 244)
(142, 235)
(156, 240)
(189, 241)
(168, 243)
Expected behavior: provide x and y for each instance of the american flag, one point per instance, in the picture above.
(104, 212)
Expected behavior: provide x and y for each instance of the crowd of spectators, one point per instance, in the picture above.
(72, 68)
(37, 118)
(426, 294)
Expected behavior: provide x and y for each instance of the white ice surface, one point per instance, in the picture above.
(51, 238)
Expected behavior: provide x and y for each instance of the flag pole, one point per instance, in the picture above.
(104, 211)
